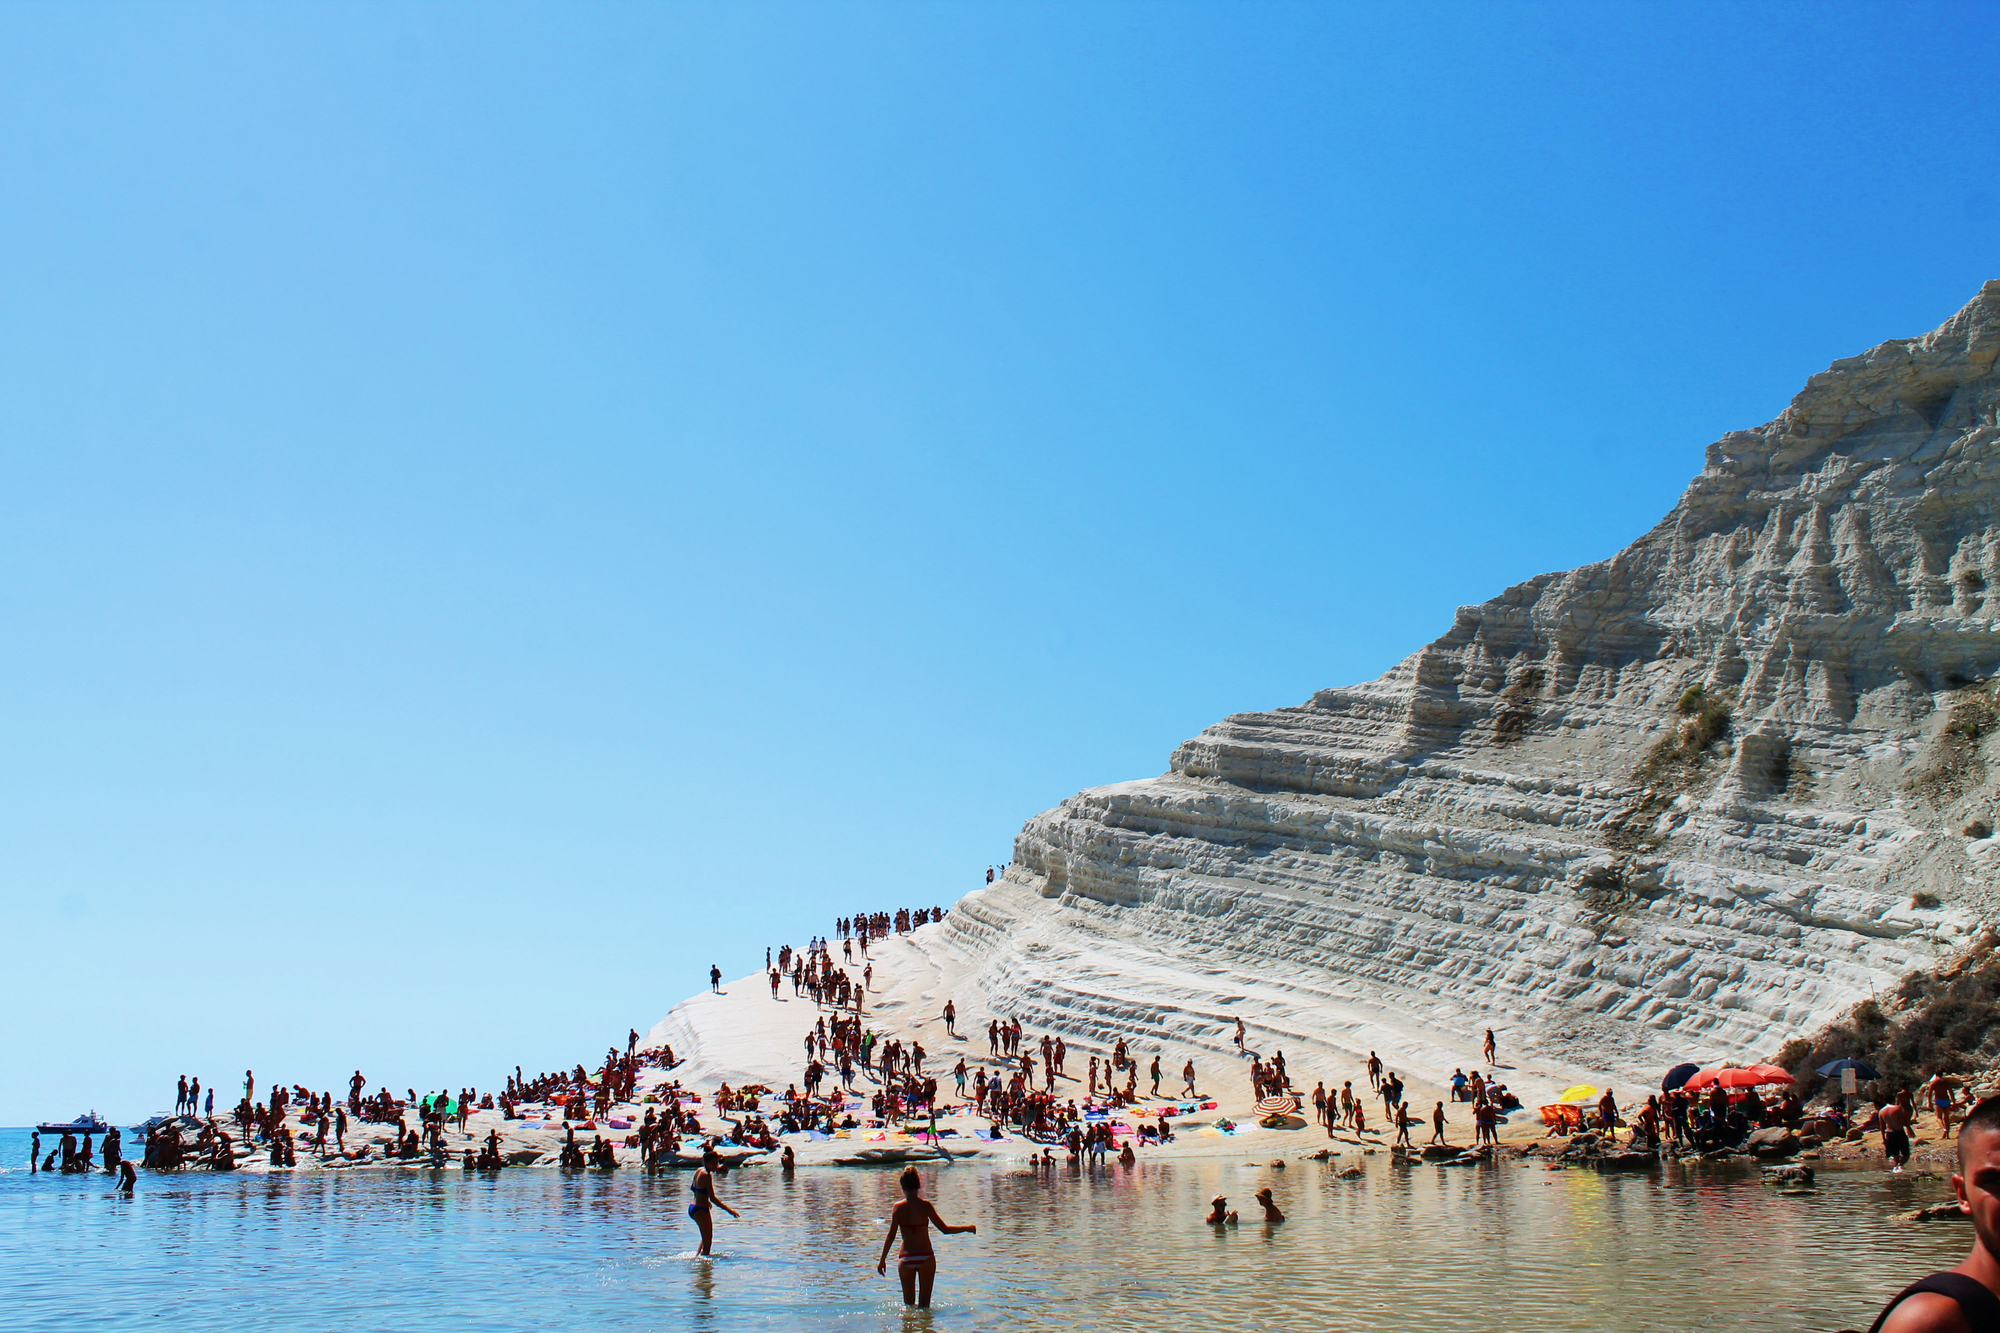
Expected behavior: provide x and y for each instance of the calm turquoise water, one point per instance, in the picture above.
(1488, 1248)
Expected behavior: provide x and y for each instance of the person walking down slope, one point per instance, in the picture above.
(1187, 1077)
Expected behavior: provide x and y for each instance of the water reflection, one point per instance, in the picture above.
(1416, 1250)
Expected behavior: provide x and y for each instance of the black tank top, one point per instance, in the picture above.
(1981, 1307)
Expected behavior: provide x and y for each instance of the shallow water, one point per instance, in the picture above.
(1414, 1250)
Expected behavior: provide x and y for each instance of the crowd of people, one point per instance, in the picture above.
(877, 925)
(854, 1075)
(69, 1157)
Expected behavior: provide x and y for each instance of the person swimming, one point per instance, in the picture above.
(913, 1218)
(703, 1189)
(1272, 1213)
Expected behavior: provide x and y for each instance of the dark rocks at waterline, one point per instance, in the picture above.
(1772, 1141)
(1625, 1161)
(1937, 1212)
(1792, 1174)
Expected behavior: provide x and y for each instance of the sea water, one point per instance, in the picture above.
(1508, 1246)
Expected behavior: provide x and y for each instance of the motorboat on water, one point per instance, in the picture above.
(88, 1123)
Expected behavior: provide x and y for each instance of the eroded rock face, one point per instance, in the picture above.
(1681, 804)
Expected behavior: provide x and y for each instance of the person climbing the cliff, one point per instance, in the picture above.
(1241, 1037)
(912, 1219)
(1962, 1299)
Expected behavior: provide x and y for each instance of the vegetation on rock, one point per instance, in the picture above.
(1947, 1020)
(1955, 763)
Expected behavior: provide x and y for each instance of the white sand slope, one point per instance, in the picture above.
(1157, 1003)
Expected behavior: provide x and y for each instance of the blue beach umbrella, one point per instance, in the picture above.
(1862, 1070)
(1678, 1075)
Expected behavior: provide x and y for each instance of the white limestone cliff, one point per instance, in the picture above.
(1538, 824)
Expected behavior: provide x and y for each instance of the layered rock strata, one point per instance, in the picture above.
(1679, 804)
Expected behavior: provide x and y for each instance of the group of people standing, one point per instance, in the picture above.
(876, 925)
(187, 1098)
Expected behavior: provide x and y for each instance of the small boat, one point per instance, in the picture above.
(87, 1123)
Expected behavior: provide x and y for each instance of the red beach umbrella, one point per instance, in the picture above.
(1750, 1076)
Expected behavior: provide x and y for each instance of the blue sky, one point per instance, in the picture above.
(504, 505)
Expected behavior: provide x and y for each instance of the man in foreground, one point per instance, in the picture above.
(1962, 1300)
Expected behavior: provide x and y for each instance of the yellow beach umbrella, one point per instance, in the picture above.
(1582, 1092)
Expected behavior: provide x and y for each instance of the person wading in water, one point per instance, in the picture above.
(703, 1189)
(1962, 1299)
(912, 1219)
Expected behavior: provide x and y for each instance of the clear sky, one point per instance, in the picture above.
(506, 505)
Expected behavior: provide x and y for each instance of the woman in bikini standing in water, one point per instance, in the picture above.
(704, 1195)
(917, 1266)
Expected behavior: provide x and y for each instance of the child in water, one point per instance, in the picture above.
(917, 1265)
